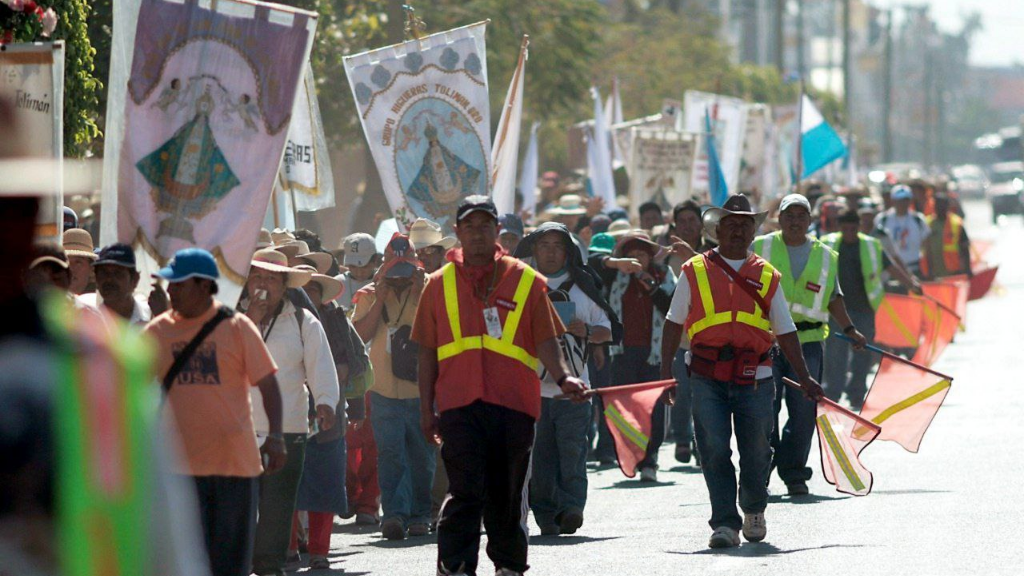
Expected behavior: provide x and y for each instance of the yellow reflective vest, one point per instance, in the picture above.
(809, 295)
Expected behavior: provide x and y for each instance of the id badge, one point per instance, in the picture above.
(493, 322)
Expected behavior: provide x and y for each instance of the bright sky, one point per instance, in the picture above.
(1000, 43)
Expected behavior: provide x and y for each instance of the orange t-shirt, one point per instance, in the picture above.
(209, 400)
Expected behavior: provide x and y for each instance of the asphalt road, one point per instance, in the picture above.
(950, 509)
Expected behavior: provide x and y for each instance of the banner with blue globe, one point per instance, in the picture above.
(424, 109)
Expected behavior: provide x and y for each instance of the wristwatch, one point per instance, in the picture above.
(561, 381)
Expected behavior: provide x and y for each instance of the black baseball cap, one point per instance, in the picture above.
(118, 254)
(476, 203)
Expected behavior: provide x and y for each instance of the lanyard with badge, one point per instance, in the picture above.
(491, 318)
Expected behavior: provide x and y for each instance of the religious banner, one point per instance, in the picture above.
(424, 109)
(209, 101)
(661, 166)
(755, 141)
(786, 121)
(305, 173)
(729, 121)
(32, 79)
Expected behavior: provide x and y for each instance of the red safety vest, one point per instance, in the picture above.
(473, 365)
(950, 248)
(722, 314)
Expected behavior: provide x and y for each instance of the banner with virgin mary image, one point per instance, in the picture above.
(424, 109)
(210, 98)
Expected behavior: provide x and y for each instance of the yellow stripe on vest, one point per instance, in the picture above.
(632, 434)
(825, 427)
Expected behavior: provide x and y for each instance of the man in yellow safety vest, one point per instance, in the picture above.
(947, 250)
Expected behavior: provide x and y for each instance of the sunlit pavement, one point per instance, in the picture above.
(954, 508)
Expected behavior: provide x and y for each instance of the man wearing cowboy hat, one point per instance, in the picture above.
(384, 314)
(720, 303)
(429, 243)
(79, 249)
(299, 346)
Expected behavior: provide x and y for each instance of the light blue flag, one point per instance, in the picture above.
(717, 188)
(819, 143)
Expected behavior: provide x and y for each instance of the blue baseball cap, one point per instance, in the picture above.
(512, 223)
(902, 192)
(190, 263)
(116, 255)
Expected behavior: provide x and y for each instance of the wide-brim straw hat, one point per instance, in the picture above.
(264, 240)
(423, 234)
(281, 236)
(330, 287)
(78, 242)
(292, 248)
(640, 239)
(619, 228)
(273, 261)
(569, 205)
(736, 205)
(320, 260)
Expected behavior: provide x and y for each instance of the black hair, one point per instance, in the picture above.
(848, 215)
(312, 239)
(683, 207)
(648, 207)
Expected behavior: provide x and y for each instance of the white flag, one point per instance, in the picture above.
(599, 161)
(613, 115)
(305, 172)
(528, 175)
(505, 153)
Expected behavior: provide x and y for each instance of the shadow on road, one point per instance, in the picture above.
(566, 540)
(806, 499)
(407, 543)
(760, 549)
(635, 484)
(353, 528)
(685, 469)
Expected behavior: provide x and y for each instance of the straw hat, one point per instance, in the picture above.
(299, 249)
(330, 287)
(638, 239)
(423, 234)
(292, 248)
(619, 227)
(736, 205)
(569, 205)
(78, 242)
(273, 261)
(281, 236)
(264, 240)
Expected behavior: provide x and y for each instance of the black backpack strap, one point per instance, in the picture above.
(223, 313)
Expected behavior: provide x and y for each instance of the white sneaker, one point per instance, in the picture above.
(724, 537)
(648, 474)
(754, 527)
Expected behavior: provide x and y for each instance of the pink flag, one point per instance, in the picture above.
(628, 410)
(842, 436)
(903, 400)
(939, 324)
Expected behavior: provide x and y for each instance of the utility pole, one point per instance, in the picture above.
(801, 68)
(847, 66)
(929, 122)
(940, 128)
(778, 23)
(887, 91)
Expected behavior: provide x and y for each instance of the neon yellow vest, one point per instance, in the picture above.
(809, 295)
(103, 430)
(870, 264)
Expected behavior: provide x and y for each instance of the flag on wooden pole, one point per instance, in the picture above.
(505, 154)
(528, 174)
(599, 161)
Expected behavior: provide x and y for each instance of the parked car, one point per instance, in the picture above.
(971, 181)
(1005, 191)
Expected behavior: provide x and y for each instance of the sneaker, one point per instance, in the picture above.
(293, 562)
(570, 521)
(648, 474)
(683, 453)
(754, 527)
(419, 529)
(319, 563)
(724, 537)
(367, 519)
(797, 488)
(506, 572)
(550, 530)
(392, 529)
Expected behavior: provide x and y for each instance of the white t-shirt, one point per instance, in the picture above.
(591, 314)
(141, 314)
(350, 287)
(907, 232)
(779, 316)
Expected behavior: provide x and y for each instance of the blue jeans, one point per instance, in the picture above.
(631, 367)
(682, 410)
(405, 463)
(793, 446)
(716, 407)
(559, 480)
(840, 359)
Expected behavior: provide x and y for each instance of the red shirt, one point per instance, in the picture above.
(637, 315)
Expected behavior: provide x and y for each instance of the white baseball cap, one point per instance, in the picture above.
(359, 249)
(794, 200)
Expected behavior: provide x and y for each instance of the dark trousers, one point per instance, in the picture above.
(847, 370)
(277, 504)
(631, 367)
(486, 452)
(604, 448)
(227, 510)
(792, 443)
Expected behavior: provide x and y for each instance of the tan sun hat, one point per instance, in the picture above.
(292, 248)
(619, 227)
(423, 234)
(330, 287)
(264, 240)
(569, 205)
(78, 242)
(320, 260)
(273, 261)
(281, 236)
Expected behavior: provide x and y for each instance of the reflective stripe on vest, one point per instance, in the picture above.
(711, 318)
(819, 265)
(870, 264)
(504, 346)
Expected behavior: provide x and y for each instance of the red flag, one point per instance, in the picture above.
(939, 327)
(903, 400)
(952, 291)
(898, 321)
(981, 282)
(628, 410)
(842, 436)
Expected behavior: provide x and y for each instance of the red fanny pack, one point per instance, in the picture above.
(726, 364)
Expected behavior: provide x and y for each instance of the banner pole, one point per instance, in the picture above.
(623, 388)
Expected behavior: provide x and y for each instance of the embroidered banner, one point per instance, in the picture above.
(209, 100)
(425, 113)
(32, 79)
(661, 166)
(305, 173)
(729, 119)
